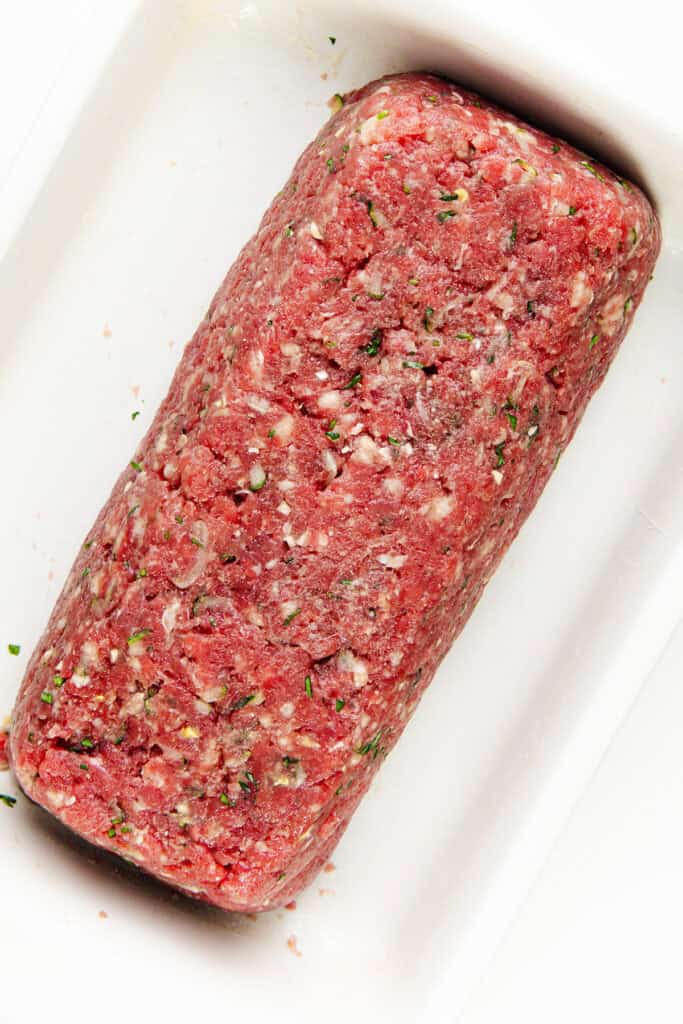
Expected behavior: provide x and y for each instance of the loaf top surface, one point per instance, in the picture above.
(356, 432)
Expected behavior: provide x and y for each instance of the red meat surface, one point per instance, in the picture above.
(359, 427)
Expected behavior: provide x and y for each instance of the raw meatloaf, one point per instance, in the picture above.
(369, 411)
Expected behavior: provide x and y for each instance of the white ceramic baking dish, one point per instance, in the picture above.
(179, 121)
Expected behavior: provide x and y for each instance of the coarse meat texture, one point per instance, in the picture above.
(367, 414)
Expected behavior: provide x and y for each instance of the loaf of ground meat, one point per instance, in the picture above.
(379, 391)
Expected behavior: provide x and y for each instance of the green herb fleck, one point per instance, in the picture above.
(449, 197)
(58, 681)
(133, 639)
(412, 364)
(427, 318)
(356, 379)
(137, 466)
(572, 211)
(226, 801)
(594, 340)
(556, 148)
(589, 167)
(406, 188)
(377, 296)
(289, 231)
(308, 686)
(88, 544)
(132, 511)
(291, 616)
(465, 336)
(14, 649)
(195, 540)
(290, 761)
(111, 833)
(372, 745)
(330, 164)
(500, 457)
(332, 39)
(271, 432)
(372, 347)
(628, 304)
(339, 704)
(381, 114)
(126, 828)
(633, 236)
(512, 420)
(87, 743)
(8, 801)
(86, 572)
(84, 767)
(226, 558)
(46, 697)
(134, 415)
(513, 234)
(443, 215)
(393, 440)
(372, 214)
(413, 280)
(179, 519)
(331, 432)
(242, 702)
(625, 184)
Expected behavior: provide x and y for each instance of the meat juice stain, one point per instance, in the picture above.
(292, 947)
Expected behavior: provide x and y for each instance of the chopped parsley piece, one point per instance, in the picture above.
(58, 681)
(427, 318)
(628, 304)
(46, 697)
(289, 761)
(133, 639)
(449, 197)
(332, 39)
(589, 167)
(531, 307)
(513, 233)
(84, 767)
(227, 559)
(413, 280)
(289, 231)
(572, 211)
(14, 649)
(337, 101)
(412, 364)
(372, 347)
(381, 114)
(594, 340)
(556, 148)
(137, 466)
(512, 420)
(443, 215)
(242, 702)
(88, 544)
(406, 188)
(308, 686)
(331, 432)
(372, 214)
(356, 379)
(500, 457)
(371, 746)
(8, 801)
(291, 616)
(126, 828)
(330, 164)
(87, 743)
(271, 432)
(179, 519)
(195, 540)
(633, 236)
(111, 833)
(225, 799)
(625, 184)
(393, 440)
(134, 415)
(339, 704)
(132, 511)
(86, 572)
(464, 336)
(377, 296)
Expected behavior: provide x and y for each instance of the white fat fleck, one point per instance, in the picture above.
(58, 799)
(284, 510)
(322, 374)
(284, 428)
(170, 470)
(329, 462)
(80, 677)
(286, 485)
(129, 484)
(497, 476)
(139, 527)
(315, 231)
(612, 313)
(257, 477)
(348, 662)
(392, 561)
(288, 608)
(202, 708)
(329, 400)
(395, 658)
(290, 349)
(89, 654)
(161, 442)
(256, 364)
(393, 486)
(581, 293)
(287, 709)
(438, 508)
(114, 655)
(366, 451)
(258, 403)
(254, 616)
(308, 741)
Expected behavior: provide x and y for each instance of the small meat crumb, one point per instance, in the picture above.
(103, 914)
(106, 333)
(292, 947)
(329, 867)
(4, 763)
(291, 905)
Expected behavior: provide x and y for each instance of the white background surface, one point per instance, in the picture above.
(598, 939)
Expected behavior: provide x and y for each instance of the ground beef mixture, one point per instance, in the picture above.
(362, 422)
